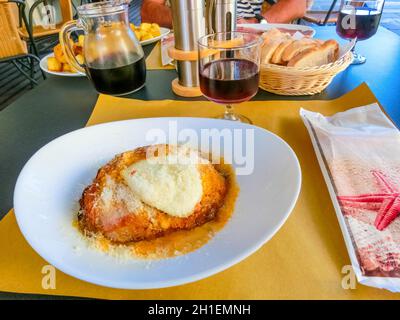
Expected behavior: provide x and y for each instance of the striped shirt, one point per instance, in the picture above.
(249, 8)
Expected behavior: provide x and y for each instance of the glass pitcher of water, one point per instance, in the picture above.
(113, 57)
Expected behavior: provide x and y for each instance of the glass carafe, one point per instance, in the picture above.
(113, 57)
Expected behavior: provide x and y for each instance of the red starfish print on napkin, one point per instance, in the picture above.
(388, 197)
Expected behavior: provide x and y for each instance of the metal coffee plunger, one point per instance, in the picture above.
(191, 20)
(220, 16)
(189, 26)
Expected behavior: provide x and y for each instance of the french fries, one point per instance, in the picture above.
(80, 58)
(146, 31)
(81, 38)
(59, 54)
(67, 68)
(53, 64)
(59, 63)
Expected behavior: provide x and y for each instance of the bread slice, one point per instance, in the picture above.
(269, 49)
(297, 47)
(272, 39)
(277, 55)
(270, 35)
(333, 50)
(316, 56)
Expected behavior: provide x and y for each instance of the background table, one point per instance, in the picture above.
(61, 104)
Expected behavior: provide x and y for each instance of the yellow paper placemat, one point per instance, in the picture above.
(153, 60)
(304, 260)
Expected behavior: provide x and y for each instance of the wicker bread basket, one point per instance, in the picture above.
(294, 81)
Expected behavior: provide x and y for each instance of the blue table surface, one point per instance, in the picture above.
(381, 71)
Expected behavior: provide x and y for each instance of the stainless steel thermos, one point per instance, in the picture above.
(220, 16)
(189, 26)
(193, 19)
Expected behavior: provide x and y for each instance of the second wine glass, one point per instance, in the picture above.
(229, 67)
(359, 20)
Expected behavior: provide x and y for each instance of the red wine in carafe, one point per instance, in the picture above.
(365, 26)
(229, 81)
(117, 80)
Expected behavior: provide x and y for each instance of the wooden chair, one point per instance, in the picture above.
(38, 31)
(12, 48)
(322, 18)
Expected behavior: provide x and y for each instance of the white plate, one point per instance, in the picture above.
(265, 27)
(50, 184)
(164, 32)
(43, 66)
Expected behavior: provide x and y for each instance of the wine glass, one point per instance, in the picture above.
(229, 69)
(359, 20)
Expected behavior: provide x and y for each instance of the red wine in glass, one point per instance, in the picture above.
(365, 26)
(228, 81)
(359, 20)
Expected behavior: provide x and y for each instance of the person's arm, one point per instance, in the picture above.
(246, 20)
(156, 11)
(285, 11)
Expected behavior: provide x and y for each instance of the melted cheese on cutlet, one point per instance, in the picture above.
(174, 187)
